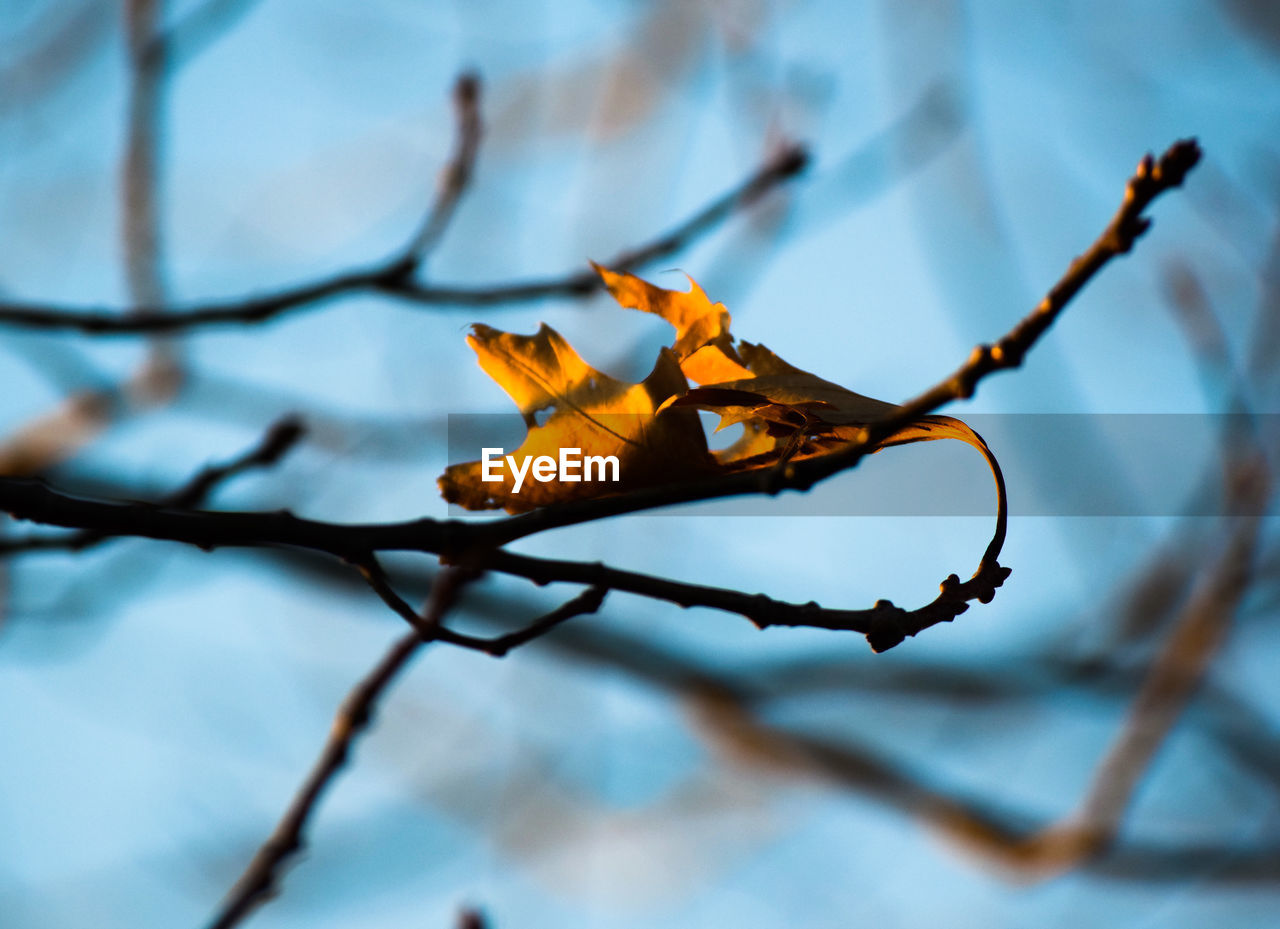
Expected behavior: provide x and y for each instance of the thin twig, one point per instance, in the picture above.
(499, 646)
(1152, 178)
(392, 277)
(457, 173)
(56, 435)
(260, 880)
(883, 624)
(142, 225)
(376, 577)
(782, 165)
(277, 442)
(587, 602)
(140, 215)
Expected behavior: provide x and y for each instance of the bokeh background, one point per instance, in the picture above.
(648, 766)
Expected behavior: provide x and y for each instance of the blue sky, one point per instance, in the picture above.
(160, 705)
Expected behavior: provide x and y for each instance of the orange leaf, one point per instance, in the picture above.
(591, 412)
(786, 412)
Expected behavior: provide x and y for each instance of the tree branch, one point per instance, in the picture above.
(393, 276)
(260, 880)
(457, 173)
(477, 544)
(884, 624)
(274, 445)
(588, 601)
(141, 215)
(499, 646)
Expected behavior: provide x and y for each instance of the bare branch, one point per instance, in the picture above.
(456, 174)
(781, 166)
(884, 624)
(1151, 179)
(376, 577)
(392, 277)
(57, 434)
(35, 501)
(996, 836)
(277, 442)
(1178, 669)
(260, 880)
(477, 544)
(140, 216)
(498, 647)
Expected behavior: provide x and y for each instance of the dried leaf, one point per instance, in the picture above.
(703, 343)
(745, 382)
(591, 412)
(787, 413)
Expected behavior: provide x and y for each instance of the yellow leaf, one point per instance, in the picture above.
(786, 412)
(591, 412)
(709, 355)
(703, 343)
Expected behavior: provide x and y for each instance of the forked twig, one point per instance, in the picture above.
(393, 276)
(274, 445)
(260, 879)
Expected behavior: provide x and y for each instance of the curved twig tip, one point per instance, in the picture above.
(1180, 158)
